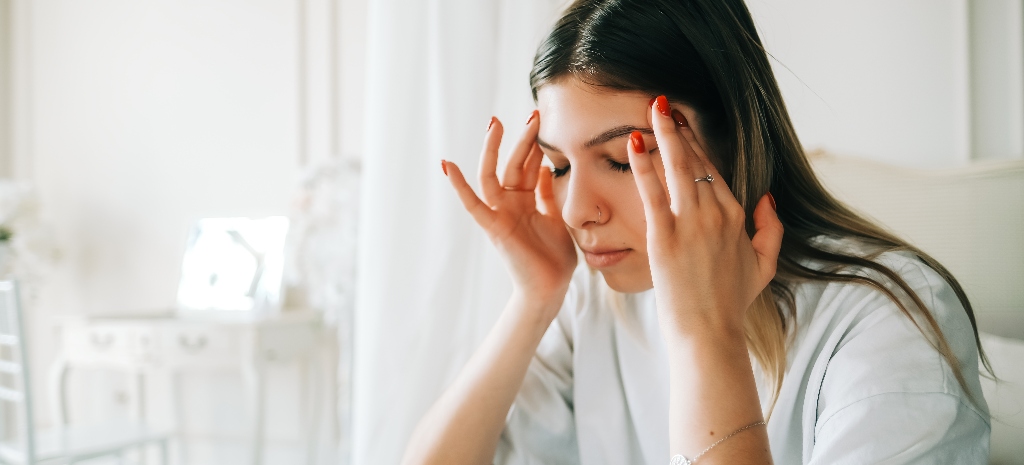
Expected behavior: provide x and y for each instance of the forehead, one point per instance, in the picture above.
(573, 113)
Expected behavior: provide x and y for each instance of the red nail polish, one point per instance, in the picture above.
(532, 116)
(771, 198)
(637, 140)
(679, 118)
(490, 124)
(651, 103)
(662, 104)
(444, 167)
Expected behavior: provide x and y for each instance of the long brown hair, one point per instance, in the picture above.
(707, 53)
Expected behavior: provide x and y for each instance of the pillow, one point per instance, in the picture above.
(1005, 397)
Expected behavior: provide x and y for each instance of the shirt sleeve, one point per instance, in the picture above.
(540, 427)
(889, 397)
(903, 428)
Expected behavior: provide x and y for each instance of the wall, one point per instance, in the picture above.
(148, 116)
(877, 79)
(997, 78)
(5, 87)
(134, 120)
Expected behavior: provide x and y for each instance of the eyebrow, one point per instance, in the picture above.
(611, 134)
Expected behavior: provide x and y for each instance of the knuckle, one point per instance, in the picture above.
(657, 203)
(680, 165)
(736, 213)
(642, 168)
(771, 269)
(714, 220)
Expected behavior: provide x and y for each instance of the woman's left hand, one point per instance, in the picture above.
(706, 269)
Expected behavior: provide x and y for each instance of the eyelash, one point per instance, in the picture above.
(614, 165)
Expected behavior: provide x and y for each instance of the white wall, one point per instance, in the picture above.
(880, 79)
(5, 89)
(135, 119)
(147, 116)
(997, 78)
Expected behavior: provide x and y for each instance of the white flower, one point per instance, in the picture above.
(29, 246)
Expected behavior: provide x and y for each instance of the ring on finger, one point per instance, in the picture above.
(707, 178)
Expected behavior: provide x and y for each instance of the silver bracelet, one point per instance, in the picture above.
(678, 459)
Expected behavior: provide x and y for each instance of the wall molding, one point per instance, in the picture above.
(997, 78)
(5, 88)
(19, 122)
(319, 87)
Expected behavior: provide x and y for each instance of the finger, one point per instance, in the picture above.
(767, 240)
(719, 186)
(681, 165)
(530, 168)
(652, 192)
(545, 194)
(488, 174)
(513, 177)
(482, 214)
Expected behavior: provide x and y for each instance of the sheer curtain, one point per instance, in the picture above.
(429, 284)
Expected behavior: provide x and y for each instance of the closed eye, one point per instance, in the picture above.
(620, 167)
(614, 165)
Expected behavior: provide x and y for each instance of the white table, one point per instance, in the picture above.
(176, 344)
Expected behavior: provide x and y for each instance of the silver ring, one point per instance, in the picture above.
(598, 215)
(707, 178)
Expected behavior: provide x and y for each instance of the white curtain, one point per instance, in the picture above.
(429, 283)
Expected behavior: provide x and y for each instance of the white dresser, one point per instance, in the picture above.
(177, 345)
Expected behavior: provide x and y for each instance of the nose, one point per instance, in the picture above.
(583, 206)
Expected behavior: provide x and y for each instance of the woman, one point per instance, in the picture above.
(702, 312)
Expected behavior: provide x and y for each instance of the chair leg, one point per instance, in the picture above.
(164, 460)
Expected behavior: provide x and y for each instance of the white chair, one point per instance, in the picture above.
(20, 442)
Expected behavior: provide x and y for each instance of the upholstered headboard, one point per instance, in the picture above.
(971, 219)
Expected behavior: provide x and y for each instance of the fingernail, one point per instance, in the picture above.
(679, 118)
(491, 123)
(444, 167)
(651, 103)
(662, 104)
(637, 140)
(771, 199)
(532, 116)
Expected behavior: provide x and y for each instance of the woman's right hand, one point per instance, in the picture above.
(520, 216)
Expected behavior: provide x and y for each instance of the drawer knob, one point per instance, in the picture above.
(193, 345)
(101, 341)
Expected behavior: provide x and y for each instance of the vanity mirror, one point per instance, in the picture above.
(233, 265)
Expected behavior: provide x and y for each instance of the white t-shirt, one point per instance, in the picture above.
(862, 383)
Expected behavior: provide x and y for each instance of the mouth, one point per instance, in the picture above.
(604, 258)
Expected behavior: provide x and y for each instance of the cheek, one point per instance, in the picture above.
(630, 210)
(558, 187)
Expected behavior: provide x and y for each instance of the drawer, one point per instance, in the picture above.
(201, 346)
(103, 343)
(98, 344)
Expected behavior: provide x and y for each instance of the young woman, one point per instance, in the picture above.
(731, 310)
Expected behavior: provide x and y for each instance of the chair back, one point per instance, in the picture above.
(16, 421)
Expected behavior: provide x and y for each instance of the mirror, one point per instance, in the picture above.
(233, 265)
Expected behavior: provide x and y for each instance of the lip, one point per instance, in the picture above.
(605, 258)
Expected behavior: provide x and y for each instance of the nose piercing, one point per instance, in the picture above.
(598, 215)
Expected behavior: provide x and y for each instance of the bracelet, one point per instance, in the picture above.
(678, 459)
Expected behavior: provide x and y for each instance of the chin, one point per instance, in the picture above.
(628, 282)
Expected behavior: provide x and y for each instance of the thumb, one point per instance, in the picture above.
(767, 240)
